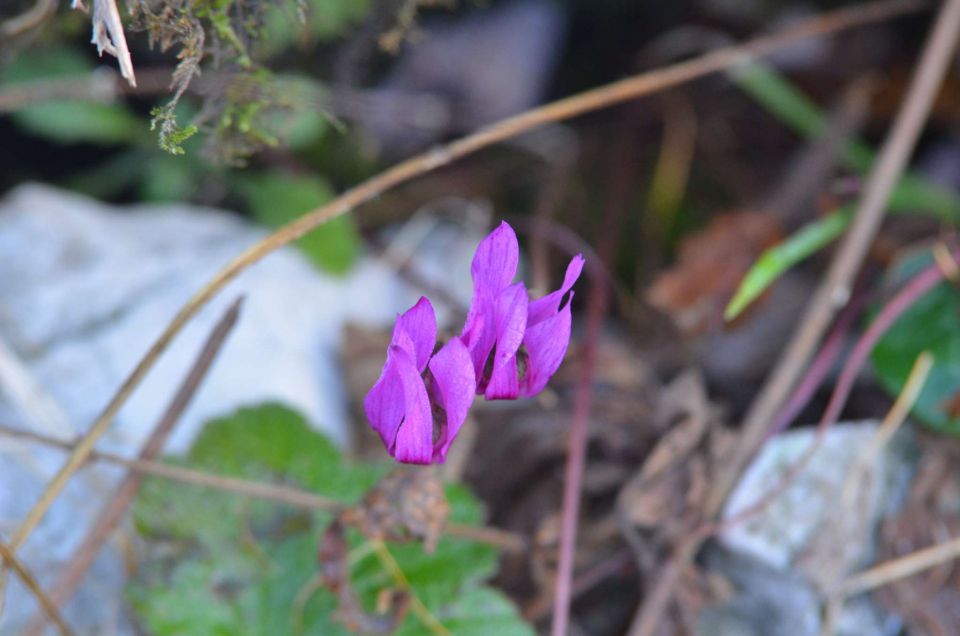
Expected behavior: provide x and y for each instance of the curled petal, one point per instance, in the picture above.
(479, 333)
(420, 325)
(543, 308)
(546, 344)
(495, 263)
(414, 439)
(511, 322)
(454, 385)
(384, 403)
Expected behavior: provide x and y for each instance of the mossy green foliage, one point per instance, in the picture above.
(219, 563)
(233, 40)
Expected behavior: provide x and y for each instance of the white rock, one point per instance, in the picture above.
(85, 289)
(783, 529)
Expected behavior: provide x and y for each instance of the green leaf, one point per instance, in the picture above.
(276, 198)
(271, 440)
(912, 194)
(285, 25)
(480, 611)
(931, 324)
(189, 606)
(69, 120)
(781, 257)
(772, 91)
(167, 178)
(219, 563)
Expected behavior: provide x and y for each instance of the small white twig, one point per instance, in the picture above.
(108, 34)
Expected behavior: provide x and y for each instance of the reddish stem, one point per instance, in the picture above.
(820, 367)
(620, 183)
(904, 299)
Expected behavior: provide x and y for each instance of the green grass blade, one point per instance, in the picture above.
(781, 257)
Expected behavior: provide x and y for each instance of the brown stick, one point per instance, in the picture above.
(901, 567)
(602, 97)
(8, 557)
(27, 20)
(111, 516)
(835, 289)
(832, 293)
(295, 497)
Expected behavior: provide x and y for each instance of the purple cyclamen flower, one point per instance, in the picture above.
(420, 400)
(510, 346)
(515, 345)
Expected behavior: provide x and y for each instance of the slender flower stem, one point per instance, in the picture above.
(602, 97)
(915, 289)
(820, 367)
(423, 613)
(833, 291)
(287, 495)
(583, 401)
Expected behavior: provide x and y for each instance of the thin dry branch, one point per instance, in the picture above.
(9, 558)
(29, 19)
(901, 567)
(858, 474)
(832, 294)
(605, 96)
(835, 289)
(294, 497)
(113, 513)
(108, 35)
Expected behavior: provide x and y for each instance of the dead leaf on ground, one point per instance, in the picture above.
(710, 265)
(929, 602)
(408, 504)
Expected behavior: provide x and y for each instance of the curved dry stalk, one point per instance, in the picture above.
(28, 19)
(901, 567)
(287, 495)
(8, 557)
(604, 96)
(859, 471)
(116, 507)
(429, 621)
(832, 294)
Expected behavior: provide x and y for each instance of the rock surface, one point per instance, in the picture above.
(85, 288)
(820, 529)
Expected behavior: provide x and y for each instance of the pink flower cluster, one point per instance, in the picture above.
(510, 346)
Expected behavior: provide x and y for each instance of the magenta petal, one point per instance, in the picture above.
(504, 382)
(511, 322)
(543, 308)
(478, 332)
(420, 324)
(546, 344)
(414, 440)
(455, 384)
(495, 262)
(383, 404)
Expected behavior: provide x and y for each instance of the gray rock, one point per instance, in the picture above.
(85, 288)
(821, 528)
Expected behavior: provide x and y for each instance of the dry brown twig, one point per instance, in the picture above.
(287, 495)
(29, 19)
(116, 507)
(830, 296)
(601, 97)
(862, 467)
(9, 558)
